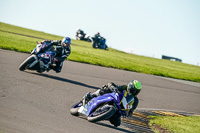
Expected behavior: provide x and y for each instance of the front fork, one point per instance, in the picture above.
(35, 62)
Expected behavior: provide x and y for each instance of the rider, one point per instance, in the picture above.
(97, 37)
(79, 31)
(62, 49)
(133, 88)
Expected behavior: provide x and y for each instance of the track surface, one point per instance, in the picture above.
(40, 103)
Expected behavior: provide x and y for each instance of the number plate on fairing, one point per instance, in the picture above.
(83, 109)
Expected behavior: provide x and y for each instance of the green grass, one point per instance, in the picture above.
(83, 52)
(24, 31)
(179, 124)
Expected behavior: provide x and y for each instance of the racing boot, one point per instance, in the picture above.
(116, 121)
(58, 67)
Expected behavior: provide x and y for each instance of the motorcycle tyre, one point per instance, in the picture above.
(115, 121)
(106, 48)
(103, 116)
(74, 111)
(28, 61)
(93, 45)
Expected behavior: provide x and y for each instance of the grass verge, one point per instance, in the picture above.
(24, 41)
(178, 124)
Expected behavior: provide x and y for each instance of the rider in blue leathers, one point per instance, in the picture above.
(62, 49)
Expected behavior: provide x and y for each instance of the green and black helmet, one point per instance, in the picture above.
(134, 87)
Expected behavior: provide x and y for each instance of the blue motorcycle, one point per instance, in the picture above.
(41, 58)
(109, 106)
(99, 43)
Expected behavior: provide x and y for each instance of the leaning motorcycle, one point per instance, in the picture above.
(109, 106)
(41, 59)
(101, 43)
(85, 37)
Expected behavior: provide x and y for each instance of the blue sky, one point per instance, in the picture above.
(145, 27)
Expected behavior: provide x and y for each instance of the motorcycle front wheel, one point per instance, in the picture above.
(102, 113)
(27, 62)
(75, 108)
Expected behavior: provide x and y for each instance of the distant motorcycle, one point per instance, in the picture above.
(84, 37)
(106, 107)
(100, 43)
(41, 59)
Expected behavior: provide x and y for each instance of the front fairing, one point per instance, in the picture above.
(88, 108)
(52, 53)
(92, 104)
(95, 102)
(80, 35)
(38, 48)
(46, 57)
(41, 48)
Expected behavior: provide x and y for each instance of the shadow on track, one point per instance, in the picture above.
(116, 128)
(108, 126)
(64, 80)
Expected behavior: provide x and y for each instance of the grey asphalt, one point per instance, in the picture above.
(39, 103)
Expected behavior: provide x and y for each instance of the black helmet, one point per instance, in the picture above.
(134, 87)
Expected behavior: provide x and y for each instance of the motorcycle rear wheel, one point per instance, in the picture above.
(105, 113)
(28, 61)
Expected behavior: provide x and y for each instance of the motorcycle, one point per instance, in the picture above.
(100, 43)
(41, 59)
(109, 106)
(84, 37)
